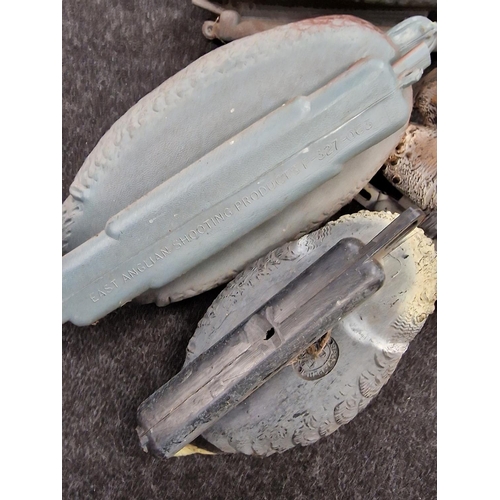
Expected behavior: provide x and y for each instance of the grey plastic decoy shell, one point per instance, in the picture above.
(196, 110)
(314, 396)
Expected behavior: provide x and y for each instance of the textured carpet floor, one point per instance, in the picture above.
(114, 52)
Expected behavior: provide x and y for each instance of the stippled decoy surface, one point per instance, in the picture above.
(263, 324)
(425, 99)
(114, 53)
(412, 167)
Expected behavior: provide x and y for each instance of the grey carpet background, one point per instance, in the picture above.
(114, 52)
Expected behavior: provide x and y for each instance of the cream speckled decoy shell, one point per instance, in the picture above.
(289, 409)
